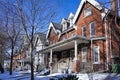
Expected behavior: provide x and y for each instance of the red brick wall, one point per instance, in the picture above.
(67, 35)
(52, 37)
(85, 21)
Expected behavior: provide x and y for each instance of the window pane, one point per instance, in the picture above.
(72, 54)
(96, 54)
(84, 54)
(83, 31)
(92, 27)
(87, 12)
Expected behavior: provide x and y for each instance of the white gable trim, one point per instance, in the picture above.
(93, 2)
(50, 26)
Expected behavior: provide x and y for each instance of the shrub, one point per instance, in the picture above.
(115, 68)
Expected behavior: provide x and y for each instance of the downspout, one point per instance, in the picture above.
(92, 54)
(111, 55)
(106, 35)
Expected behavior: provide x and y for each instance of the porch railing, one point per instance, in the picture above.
(85, 67)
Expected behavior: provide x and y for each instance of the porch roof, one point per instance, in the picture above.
(65, 44)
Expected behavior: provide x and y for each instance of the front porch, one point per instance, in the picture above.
(66, 56)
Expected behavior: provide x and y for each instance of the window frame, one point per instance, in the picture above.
(91, 35)
(84, 35)
(96, 62)
(85, 60)
(64, 26)
(72, 56)
(86, 13)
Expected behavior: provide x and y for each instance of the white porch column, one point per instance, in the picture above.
(50, 55)
(50, 63)
(76, 50)
(76, 63)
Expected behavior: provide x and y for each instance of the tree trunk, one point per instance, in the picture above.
(11, 62)
(31, 59)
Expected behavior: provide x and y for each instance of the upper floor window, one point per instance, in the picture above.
(64, 26)
(73, 34)
(87, 12)
(92, 29)
(84, 31)
(71, 22)
(96, 54)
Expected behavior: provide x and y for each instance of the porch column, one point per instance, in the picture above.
(50, 63)
(76, 50)
(76, 63)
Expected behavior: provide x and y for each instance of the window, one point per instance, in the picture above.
(73, 34)
(87, 12)
(84, 54)
(64, 54)
(96, 55)
(72, 54)
(92, 29)
(84, 31)
(64, 26)
(71, 22)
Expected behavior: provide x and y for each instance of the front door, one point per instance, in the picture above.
(84, 54)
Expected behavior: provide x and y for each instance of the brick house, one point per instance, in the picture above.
(85, 42)
(21, 60)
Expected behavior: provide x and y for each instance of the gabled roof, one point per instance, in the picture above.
(92, 2)
(56, 27)
(41, 36)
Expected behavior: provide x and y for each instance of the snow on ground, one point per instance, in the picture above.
(25, 75)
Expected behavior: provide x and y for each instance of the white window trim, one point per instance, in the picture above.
(90, 29)
(82, 31)
(98, 62)
(86, 54)
(64, 26)
(85, 12)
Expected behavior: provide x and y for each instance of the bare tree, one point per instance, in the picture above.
(34, 16)
(10, 22)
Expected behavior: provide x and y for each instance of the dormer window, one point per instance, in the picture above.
(87, 12)
(64, 26)
(71, 22)
(70, 18)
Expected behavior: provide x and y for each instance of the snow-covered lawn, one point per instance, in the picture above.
(25, 75)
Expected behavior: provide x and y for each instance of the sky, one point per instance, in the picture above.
(65, 7)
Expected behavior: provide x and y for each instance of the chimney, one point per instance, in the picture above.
(114, 6)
